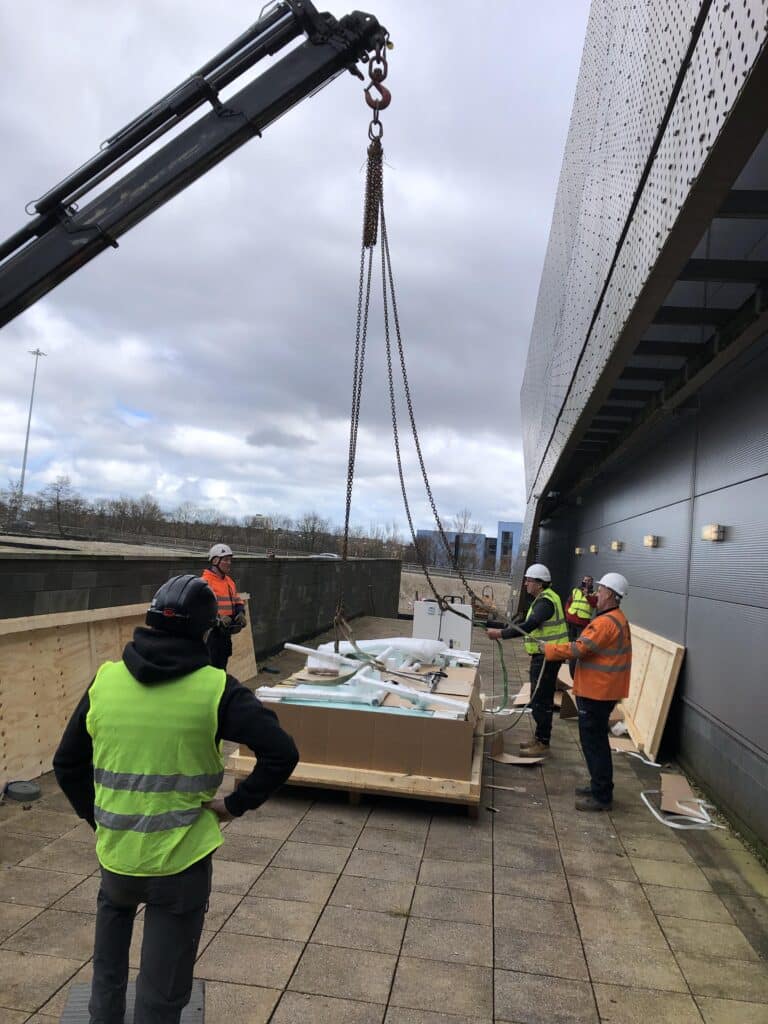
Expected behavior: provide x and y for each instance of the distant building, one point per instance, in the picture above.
(473, 550)
(507, 544)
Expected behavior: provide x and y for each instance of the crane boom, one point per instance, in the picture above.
(61, 237)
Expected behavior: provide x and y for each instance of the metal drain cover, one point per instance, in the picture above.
(76, 1010)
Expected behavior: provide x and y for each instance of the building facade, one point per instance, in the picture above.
(644, 409)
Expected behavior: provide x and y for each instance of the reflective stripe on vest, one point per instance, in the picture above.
(554, 629)
(579, 605)
(156, 762)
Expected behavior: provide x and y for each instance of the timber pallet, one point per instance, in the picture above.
(361, 781)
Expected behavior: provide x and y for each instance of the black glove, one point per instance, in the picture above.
(240, 619)
(224, 622)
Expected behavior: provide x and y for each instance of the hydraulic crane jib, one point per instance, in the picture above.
(61, 237)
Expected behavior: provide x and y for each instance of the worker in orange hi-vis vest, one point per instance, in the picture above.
(603, 656)
(231, 617)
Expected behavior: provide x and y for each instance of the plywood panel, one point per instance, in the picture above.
(46, 664)
(656, 662)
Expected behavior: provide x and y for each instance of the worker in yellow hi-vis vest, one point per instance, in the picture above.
(141, 762)
(579, 610)
(545, 622)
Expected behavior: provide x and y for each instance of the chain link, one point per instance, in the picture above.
(373, 222)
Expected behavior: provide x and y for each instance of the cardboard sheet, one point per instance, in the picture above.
(677, 797)
(504, 758)
(622, 744)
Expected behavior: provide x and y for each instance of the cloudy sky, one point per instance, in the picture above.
(209, 358)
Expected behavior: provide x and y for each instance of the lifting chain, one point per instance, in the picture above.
(378, 98)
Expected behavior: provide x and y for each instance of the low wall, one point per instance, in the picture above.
(291, 598)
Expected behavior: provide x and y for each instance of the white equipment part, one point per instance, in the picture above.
(430, 623)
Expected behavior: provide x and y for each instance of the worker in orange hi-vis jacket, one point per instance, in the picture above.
(231, 617)
(603, 656)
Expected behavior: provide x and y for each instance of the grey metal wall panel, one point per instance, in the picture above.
(661, 612)
(736, 569)
(733, 773)
(662, 568)
(733, 435)
(725, 667)
(658, 475)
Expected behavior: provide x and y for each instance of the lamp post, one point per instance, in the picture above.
(20, 495)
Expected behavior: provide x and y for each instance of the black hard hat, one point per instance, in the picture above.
(184, 605)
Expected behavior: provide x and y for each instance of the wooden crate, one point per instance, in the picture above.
(47, 663)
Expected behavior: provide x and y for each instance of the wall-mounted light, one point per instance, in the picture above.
(650, 540)
(713, 531)
(593, 549)
(578, 551)
(617, 545)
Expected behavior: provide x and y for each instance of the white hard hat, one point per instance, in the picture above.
(219, 551)
(615, 582)
(538, 572)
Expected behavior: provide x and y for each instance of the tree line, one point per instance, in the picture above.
(59, 509)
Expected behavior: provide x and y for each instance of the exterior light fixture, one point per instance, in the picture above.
(713, 531)
(578, 551)
(650, 540)
(617, 545)
(593, 549)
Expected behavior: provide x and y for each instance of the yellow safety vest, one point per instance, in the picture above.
(579, 605)
(554, 630)
(155, 762)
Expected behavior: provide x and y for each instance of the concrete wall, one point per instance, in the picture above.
(708, 466)
(291, 598)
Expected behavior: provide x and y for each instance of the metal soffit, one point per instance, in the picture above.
(656, 273)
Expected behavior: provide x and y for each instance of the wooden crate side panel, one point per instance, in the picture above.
(45, 671)
(654, 739)
(641, 652)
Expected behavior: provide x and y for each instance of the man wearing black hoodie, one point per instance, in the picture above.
(140, 760)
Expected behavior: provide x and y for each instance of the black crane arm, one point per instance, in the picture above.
(61, 237)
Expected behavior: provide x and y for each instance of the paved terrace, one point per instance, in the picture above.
(409, 913)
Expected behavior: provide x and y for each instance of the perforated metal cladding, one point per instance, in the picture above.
(632, 57)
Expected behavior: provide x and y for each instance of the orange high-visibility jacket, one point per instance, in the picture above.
(603, 656)
(226, 593)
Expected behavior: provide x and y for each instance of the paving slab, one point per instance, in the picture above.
(55, 933)
(245, 959)
(344, 973)
(312, 857)
(239, 1004)
(360, 929)
(450, 941)
(533, 999)
(291, 884)
(621, 1005)
(35, 887)
(447, 904)
(614, 963)
(720, 940)
(419, 984)
(725, 979)
(273, 918)
(28, 980)
(453, 874)
(728, 1011)
(694, 906)
(518, 950)
(300, 1008)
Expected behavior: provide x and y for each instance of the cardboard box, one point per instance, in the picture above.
(380, 741)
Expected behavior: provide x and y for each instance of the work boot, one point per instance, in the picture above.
(528, 743)
(588, 803)
(583, 790)
(536, 749)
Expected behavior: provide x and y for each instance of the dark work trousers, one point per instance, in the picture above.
(219, 647)
(173, 921)
(543, 700)
(574, 632)
(593, 733)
